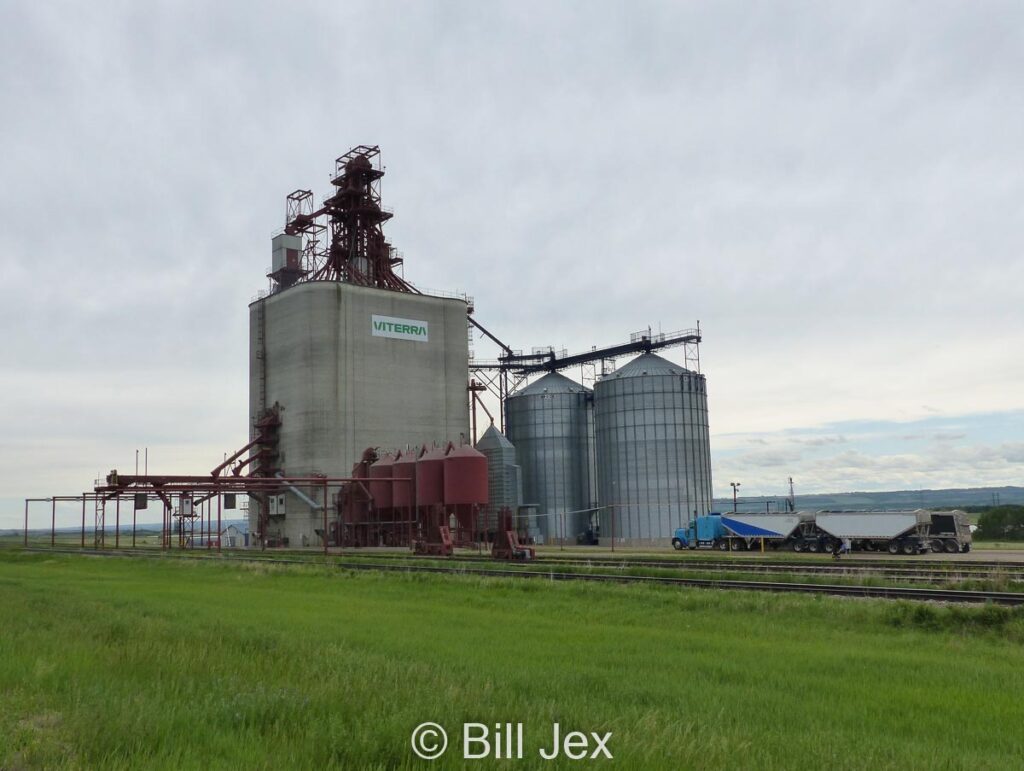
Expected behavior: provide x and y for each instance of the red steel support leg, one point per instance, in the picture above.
(218, 523)
(117, 523)
(53, 522)
(472, 412)
(83, 520)
(135, 513)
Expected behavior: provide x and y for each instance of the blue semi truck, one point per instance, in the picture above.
(706, 531)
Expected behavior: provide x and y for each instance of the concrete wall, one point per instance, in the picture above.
(343, 389)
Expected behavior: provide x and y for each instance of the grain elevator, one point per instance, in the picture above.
(344, 354)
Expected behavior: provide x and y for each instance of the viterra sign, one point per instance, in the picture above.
(400, 329)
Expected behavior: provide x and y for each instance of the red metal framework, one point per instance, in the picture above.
(356, 250)
(188, 525)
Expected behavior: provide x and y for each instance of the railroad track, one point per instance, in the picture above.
(958, 572)
(850, 568)
(931, 571)
(746, 561)
(521, 571)
(916, 572)
(907, 565)
(840, 567)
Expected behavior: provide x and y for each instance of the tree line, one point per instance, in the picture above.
(1001, 523)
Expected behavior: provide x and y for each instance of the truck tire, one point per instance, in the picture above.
(722, 545)
(813, 547)
(908, 548)
(798, 547)
(893, 547)
(952, 547)
(937, 545)
(677, 544)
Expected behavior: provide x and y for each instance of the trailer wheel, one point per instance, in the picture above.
(722, 545)
(908, 547)
(813, 547)
(894, 547)
(677, 544)
(952, 547)
(798, 546)
(937, 546)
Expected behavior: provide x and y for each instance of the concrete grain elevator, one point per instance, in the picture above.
(344, 354)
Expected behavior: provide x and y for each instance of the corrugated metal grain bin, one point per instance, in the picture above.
(547, 422)
(653, 448)
(504, 488)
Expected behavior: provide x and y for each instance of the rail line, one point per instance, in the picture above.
(735, 560)
(839, 567)
(745, 563)
(943, 571)
(851, 568)
(394, 566)
(908, 570)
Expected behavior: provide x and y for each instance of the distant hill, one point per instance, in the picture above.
(895, 499)
(147, 527)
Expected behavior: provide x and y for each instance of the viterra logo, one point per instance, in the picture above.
(399, 329)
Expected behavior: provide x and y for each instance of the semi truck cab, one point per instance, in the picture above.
(705, 532)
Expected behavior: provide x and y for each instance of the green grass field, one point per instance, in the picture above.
(111, 663)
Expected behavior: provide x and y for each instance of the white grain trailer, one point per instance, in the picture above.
(897, 532)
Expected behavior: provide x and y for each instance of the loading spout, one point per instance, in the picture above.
(305, 498)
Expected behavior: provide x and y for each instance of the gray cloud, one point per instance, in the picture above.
(947, 437)
(821, 441)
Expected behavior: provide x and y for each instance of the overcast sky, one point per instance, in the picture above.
(833, 189)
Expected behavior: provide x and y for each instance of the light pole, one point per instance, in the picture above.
(735, 486)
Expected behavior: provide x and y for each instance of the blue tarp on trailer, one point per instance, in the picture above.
(761, 525)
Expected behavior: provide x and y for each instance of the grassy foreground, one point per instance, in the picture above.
(111, 663)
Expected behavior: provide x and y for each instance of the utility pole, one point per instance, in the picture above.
(735, 486)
